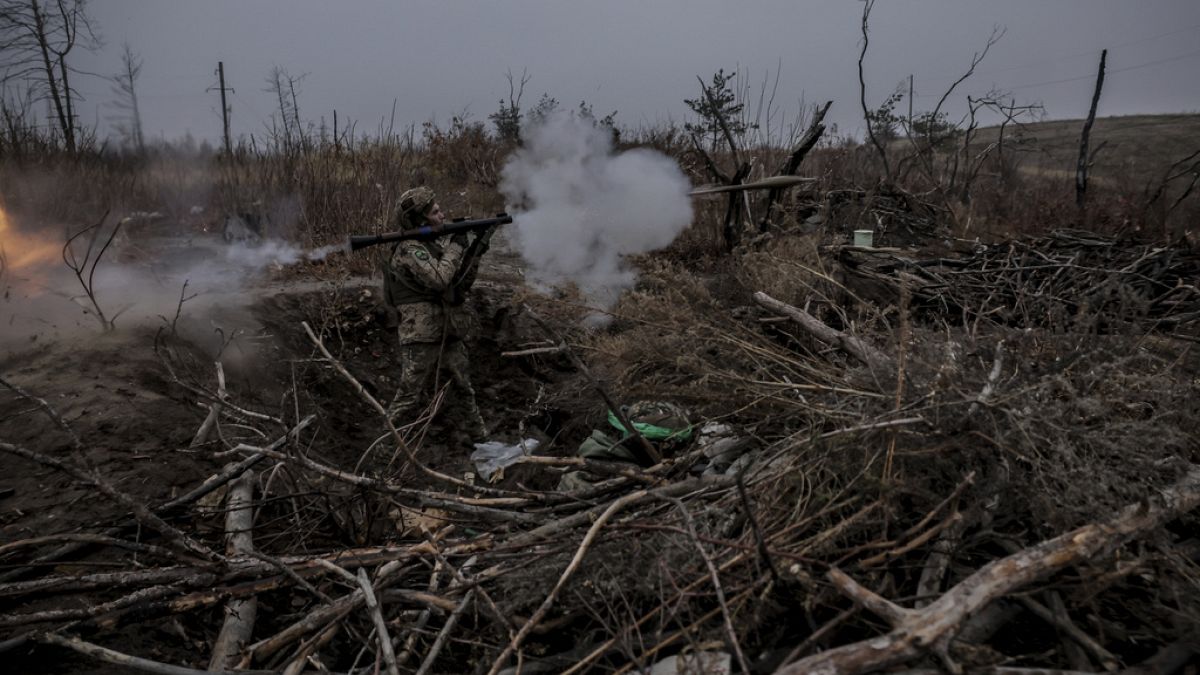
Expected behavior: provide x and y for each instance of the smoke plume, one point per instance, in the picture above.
(579, 207)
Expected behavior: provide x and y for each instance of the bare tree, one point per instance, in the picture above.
(125, 88)
(507, 118)
(862, 91)
(36, 37)
(282, 86)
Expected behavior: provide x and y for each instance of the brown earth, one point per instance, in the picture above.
(118, 391)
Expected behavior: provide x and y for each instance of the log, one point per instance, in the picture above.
(240, 613)
(916, 632)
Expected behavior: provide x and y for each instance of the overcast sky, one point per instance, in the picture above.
(436, 58)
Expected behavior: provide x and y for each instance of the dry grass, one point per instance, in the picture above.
(854, 463)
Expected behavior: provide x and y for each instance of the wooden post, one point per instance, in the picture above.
(1081, 169)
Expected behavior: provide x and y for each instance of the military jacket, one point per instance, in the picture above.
(419, 285)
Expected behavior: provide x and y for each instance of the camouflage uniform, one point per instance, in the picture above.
(426, 282)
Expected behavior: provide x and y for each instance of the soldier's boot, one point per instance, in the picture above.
(403, 409)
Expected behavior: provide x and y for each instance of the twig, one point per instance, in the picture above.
(763, 552)
(308, 647)
(443, 634)
(214, 411)
(374, 403)
(985, 394)
(1107, 659)
(856, 347)
(381, 632)
(730, 632)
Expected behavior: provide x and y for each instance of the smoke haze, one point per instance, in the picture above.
(579, 207)
(140, 280)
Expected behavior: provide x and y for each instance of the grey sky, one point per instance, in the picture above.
(436, 58)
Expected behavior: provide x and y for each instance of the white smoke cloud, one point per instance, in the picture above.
(579, 207)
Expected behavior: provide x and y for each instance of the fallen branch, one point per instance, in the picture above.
(214, 411)
(443, 634)
(915, 632)
(381, 632)
(240, 613)
(856, 347)
(135, 662)
(140, 511)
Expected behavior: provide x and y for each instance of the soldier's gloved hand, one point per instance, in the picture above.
(459, 238)
(484, 238)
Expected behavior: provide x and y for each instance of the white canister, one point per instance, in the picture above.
(864, 238)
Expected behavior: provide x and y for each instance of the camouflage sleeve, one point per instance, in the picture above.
(435, 274)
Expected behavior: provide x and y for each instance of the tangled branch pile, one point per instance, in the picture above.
(910, 494)
(1067, 280)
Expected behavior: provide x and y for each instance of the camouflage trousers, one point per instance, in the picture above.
(425, 368)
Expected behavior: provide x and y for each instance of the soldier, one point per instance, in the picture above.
(426, 282)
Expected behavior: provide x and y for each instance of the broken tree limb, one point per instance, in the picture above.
(381, 632)
(915, 632)
(240, 613)
(135, 662)
(816, 128)
(140, 511)
(214, 411)
(646, 447)
(1081, 167)
(440, 641)
(856, 347)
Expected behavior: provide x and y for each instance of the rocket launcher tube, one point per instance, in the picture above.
(428, 231)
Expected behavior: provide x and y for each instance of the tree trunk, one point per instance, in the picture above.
(43, 40)
(1081, 169)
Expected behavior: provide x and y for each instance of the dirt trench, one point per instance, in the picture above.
(131, 396)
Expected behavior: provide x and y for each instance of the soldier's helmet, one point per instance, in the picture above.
(656, 421)
(414, 205)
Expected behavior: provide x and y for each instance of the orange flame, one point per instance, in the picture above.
(20, 252)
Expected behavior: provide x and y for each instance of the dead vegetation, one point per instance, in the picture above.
(999, 489)
(964, 455)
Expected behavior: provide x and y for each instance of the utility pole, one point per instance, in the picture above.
(224, 105)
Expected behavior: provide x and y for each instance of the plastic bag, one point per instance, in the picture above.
(491, 457)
